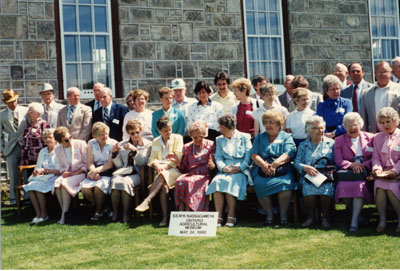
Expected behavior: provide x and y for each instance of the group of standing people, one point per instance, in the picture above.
(218, 144)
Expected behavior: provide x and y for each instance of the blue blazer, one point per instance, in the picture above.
(116, 120)
(333, 111)
(176, 117)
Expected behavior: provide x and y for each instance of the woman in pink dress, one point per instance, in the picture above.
(197, 164)
(353, 151)
(386, 165)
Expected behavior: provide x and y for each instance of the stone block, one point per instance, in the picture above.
(164, 70)
(129, 32)
(17, 84)
(32, 88)
(133, 70)
(209, 8)
(233, 6)
(123, 13)
(236, 68)
(327, 52)
(297, 51)
(186, 32)
(5, 85)
(198, 56)
(321, 67)
(348, 8)
(46, 30)
(206, 34)
(236, 34)
(125, 50)
(192, 4)
(152, 87)
(305, 20)
(325, 37)
(36, 10)
(193, 16)
(129, 2)
(315, 6)
(160, 32)
(17, 72)
(6, 52)
(352, 21)
(345, 39)
(221, 52)
(9, 6)
(332, 21)
(30, 71)
(143, 50)
(315, 83)
(46, 69)
(224, 19)
(239, 51)
(297, 5)
(141, 15)
(299, 66)
(352, 54)
(35, 50)
(198, 47)
(300, 36)
(188, 69)
(209, 69)
(162, 3)
(49, 10)
(14, 27)
(4, 73)
(175, 51)
(52, 50)
(312, 52)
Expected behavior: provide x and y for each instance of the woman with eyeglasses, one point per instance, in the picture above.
(72, 156)
(128, 156)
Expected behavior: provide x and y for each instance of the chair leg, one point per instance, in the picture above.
(137, 201)
(295, 208)
(18, 199)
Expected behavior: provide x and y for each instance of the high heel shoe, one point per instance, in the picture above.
(220, 221)
(143, 207)
(230, 224)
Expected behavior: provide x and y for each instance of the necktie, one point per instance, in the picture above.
(105, 116)
(71, 114)
(96, 105)
(354, 99)
(15, 121)
(46, 113)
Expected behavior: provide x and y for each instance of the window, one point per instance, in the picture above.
(384, 20)
(86, 43)
(264, 39)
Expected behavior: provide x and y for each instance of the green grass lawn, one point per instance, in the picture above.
(142, 245)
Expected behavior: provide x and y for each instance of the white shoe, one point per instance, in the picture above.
(231, 224)
(34, 220)
(40, 220)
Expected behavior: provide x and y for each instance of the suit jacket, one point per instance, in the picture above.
(367, 105)
(9, 136)
(344, 151)
(116, 119)
(175, 145)
(349, 91)
(79, 156)
(283, 100)
(176, 117)
(53, 117)
(81, 125)
(91, 104)
(378, 156)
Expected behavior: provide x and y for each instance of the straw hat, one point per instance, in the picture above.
(9, 96)
(46, 86)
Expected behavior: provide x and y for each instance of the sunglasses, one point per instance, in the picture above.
(134, 133)
(68, 139)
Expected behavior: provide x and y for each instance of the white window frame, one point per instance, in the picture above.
(87, 93)
(281, 36)
(379, 38)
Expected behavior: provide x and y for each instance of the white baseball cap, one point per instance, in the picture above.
(178, 83)
(46, 86)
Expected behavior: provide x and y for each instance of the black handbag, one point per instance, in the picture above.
(349, 175)
(279, 171)
(328, 171)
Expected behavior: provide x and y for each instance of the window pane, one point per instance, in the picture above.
(251, 27)
(262, 23)
(374, 27)
(87, 76)
(274, 24)
(277, 68)
(101, 48)
(68, 1)
(249, 5)
(99, 1)
(100, 19)
(265, 49)
(253, 49)
(261, 5)
(273, 5)
(103, 73)
(382, 32)
(86, 48)
(85, 19)
(84, 1)
(69, 18)
(72, 75)
(276, 48)
(70, 46)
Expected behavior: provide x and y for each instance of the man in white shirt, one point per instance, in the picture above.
(51, 108)
(383, 93)
(396, 69)
(224, 96)
(342, 72)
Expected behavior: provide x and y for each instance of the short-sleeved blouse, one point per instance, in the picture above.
(100, 157)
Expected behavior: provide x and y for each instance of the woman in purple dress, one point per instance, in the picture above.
(197, 164)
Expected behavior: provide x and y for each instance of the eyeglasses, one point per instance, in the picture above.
(134, 133)
(68, 139)
(383, 73)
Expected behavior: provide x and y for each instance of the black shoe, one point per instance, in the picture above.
(284, 223)
(268, 223)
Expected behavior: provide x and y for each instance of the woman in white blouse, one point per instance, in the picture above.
(42, 179)
(205, 110)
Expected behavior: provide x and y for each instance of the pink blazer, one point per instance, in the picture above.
(79, 156)
(394, 152)
(344, 151)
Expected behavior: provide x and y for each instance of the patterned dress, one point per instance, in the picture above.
(43, 183)
(33, 142)
(191, 186)
(100, 157)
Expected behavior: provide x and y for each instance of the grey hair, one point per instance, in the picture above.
(72, 90)
(200, 126)
(396, 59)
(352, 116)
(47, 133)
(37, 107)
(388, 112)
(107, 90)
(342, 66)
(329, 81)
(310, 121)
(101, 85)
(228, 121)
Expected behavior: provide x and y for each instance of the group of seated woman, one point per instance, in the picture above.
(280, 154)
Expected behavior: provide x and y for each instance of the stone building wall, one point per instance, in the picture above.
(165, 39)
(27, 46)
(323, 33)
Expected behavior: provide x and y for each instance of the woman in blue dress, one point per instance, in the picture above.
(310, 150)
(272, 149)
(334, 107)
(232, 157)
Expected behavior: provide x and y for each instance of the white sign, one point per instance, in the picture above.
(193, 224)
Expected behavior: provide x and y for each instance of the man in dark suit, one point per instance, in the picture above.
(359, 85)
(285, 98)
(110, 113)
(95, 104)
(396, 69)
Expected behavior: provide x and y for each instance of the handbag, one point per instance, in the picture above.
(349, 175)
(328, 171)
(279, 171)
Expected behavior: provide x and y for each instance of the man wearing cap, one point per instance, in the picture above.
(75, 116)
(95, 103)
(10, 120)
(51, 108)
(181, 101)
(111, 113)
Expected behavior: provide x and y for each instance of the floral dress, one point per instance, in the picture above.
(100, 157)
(191, 186)
(33, 142)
